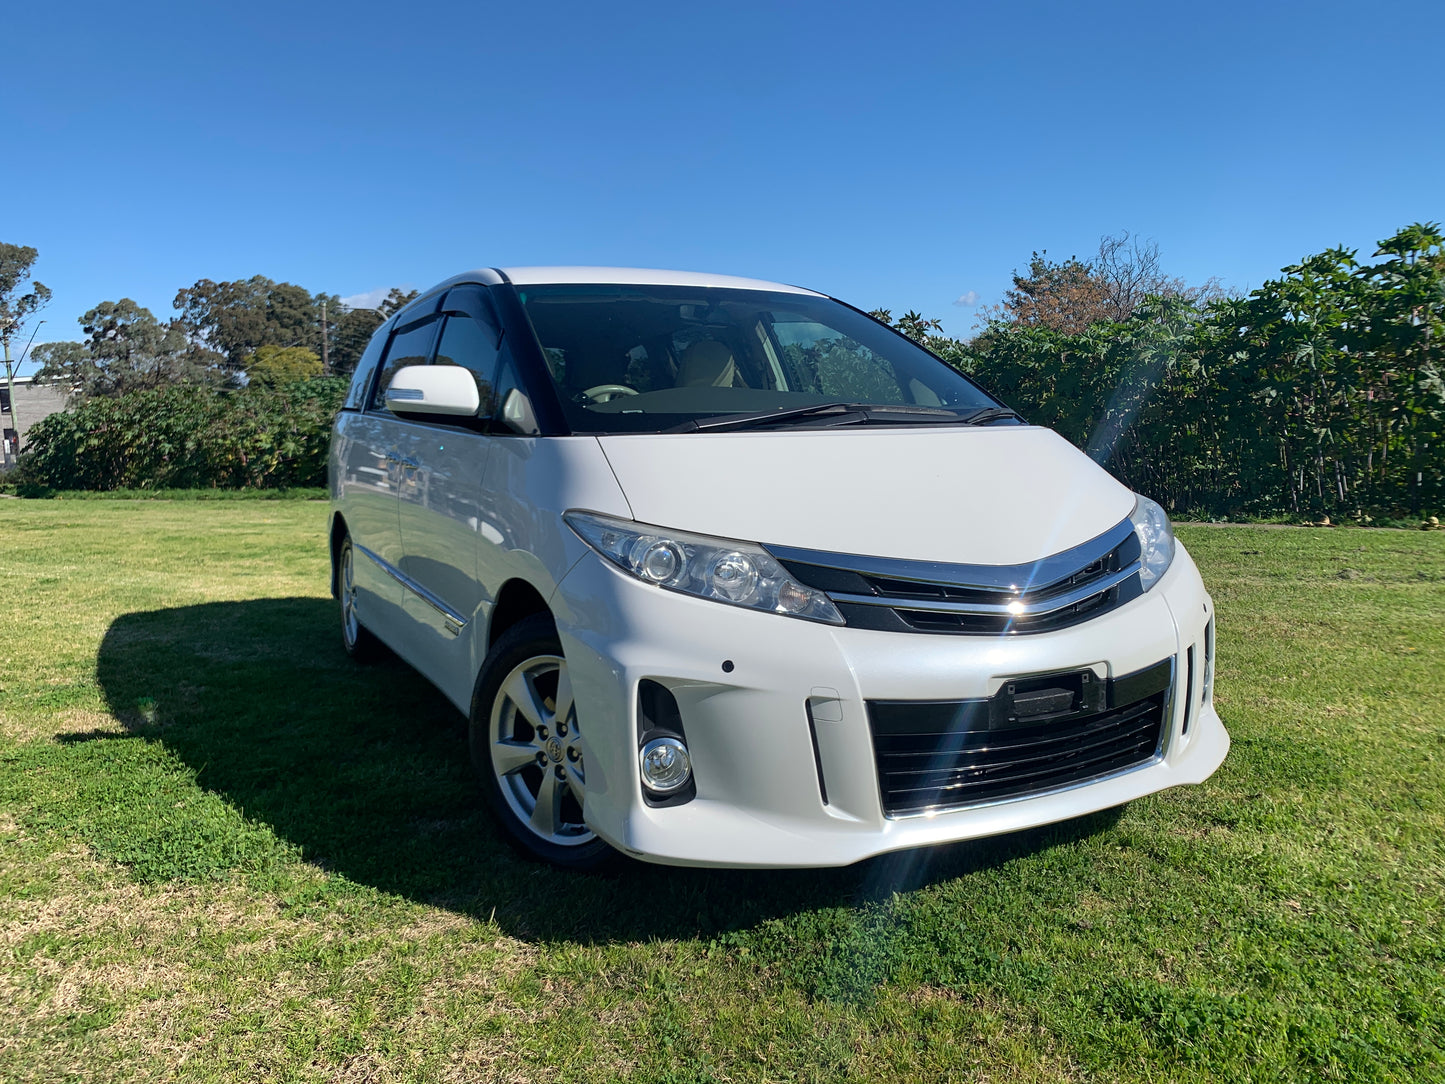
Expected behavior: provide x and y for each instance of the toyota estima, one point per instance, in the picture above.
(728, 573)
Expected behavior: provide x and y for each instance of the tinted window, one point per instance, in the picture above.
(647, 358)
(411, 346)
(365, 370)
(473, 346)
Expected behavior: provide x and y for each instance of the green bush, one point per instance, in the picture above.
(189, 437)
(1322, 393)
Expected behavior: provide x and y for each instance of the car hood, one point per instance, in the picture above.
(997, 495)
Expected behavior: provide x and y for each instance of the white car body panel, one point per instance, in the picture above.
(365, 477)
(759, 803)
(991, 496)
(641, 276)
(497, 512)
(441, 501)
(776, 709)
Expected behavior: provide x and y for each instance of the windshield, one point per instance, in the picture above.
(648, 358)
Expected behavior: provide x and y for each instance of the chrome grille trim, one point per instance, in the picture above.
(1030, 576)
(937, 598)
(1047, 605)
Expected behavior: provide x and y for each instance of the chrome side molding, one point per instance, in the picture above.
(452, 621)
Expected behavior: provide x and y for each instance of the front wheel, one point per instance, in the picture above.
(528, 751)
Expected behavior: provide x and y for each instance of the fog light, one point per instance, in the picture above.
(665, 765)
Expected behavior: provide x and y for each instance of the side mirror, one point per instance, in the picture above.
(517, 413)
(433, 389)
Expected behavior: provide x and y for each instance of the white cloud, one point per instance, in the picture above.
(368, 300)
(967, 300)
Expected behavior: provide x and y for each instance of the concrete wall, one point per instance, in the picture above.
(31, 404)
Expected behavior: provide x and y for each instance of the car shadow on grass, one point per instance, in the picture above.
(365, 770)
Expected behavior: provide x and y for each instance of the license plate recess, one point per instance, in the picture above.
(1043, 698)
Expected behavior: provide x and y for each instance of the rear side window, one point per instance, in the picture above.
(365, 370)
(473, 346)
(409, 346)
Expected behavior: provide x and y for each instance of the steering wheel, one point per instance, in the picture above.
(605, 393)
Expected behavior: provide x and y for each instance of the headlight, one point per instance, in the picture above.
(738, 573)
(1156, 540)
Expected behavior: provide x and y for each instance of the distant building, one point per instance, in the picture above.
(32, 402)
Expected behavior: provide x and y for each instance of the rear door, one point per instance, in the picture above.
(442, 505)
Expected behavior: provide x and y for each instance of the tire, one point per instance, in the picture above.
(356, 638)
(528, 754)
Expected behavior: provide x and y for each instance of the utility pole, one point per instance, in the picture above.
(5, 333)
(10, 383)
(325, 342)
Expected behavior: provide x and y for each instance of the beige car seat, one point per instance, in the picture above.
(708, 364)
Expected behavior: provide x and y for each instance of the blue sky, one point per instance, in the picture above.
(899, 155)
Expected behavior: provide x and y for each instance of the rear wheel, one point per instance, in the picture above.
(528, 750)
(358, 641)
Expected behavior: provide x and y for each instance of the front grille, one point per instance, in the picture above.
(936, 756)
(893, 595)
(1000, 625)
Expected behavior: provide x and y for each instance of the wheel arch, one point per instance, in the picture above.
(516, 601)
(338, 532)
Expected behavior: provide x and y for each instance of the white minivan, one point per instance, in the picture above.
(728, 573)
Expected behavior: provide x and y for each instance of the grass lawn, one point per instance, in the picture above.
(227, 852)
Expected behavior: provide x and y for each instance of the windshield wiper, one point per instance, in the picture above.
(756, 419)
(989, 414)
(852, 414)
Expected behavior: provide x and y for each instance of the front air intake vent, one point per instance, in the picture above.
(934, 756)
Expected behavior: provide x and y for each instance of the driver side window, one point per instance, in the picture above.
(410, 346)
(473, 346)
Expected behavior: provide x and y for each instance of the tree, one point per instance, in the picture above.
(282, 365)
(355, 327)
(396, 299)
(1322, 393)
(1115, 284)
(68, 364)
(293, 317)
(128, 349)
(927, 333)
(232, 320)
(228, 318)
(1129, 269)
(1062, 296)
(235, 319)
(15, 264)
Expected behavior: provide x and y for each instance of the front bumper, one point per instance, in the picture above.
(759, 800)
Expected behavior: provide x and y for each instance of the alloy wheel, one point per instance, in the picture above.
(536, 751)
(350, 626)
